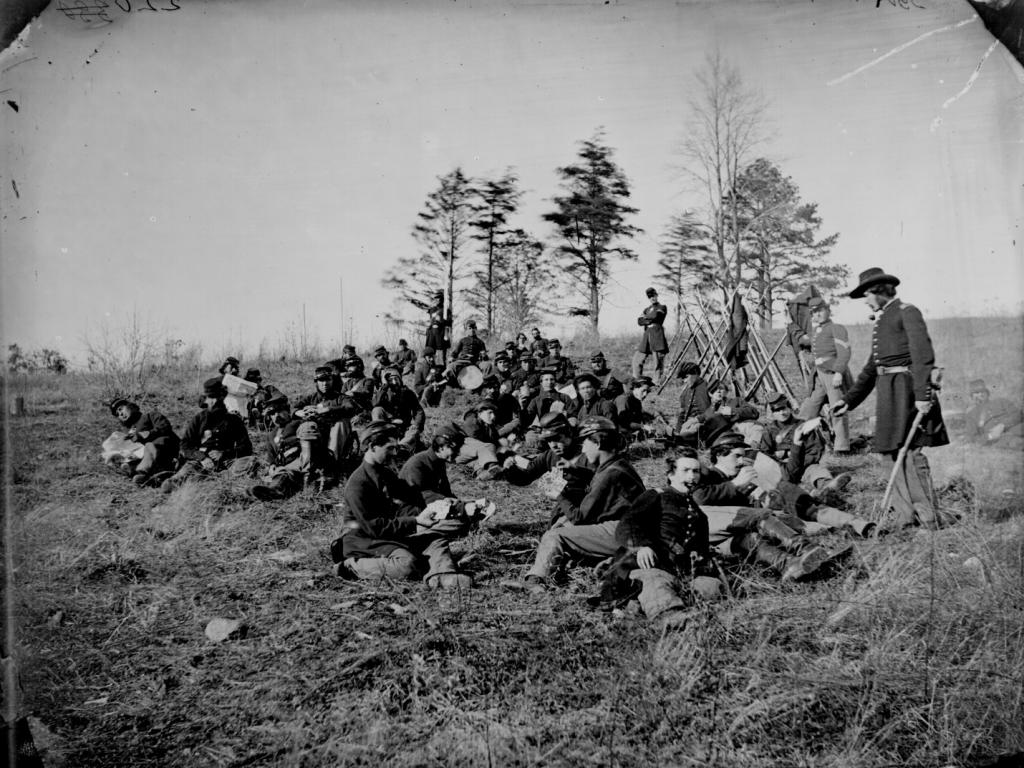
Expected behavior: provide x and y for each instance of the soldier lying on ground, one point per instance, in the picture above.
(388, 530)
(293, 456)
(587, 531)
(212, 440)
(156, 436)
(992, 421)
(732, 481)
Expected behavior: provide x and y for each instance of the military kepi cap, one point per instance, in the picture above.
(729, 439)
(816, 302)
(869, 278)
(119, 401)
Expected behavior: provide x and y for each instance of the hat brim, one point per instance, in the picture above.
(862, 289)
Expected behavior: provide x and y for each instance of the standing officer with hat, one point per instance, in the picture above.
(830, 347)
(900, 370)
(653, 322)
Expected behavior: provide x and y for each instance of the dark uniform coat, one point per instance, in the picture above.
(694, 400)
(214, 429)
(436, 336)
(670, 523)
(157, 429)
(610, 387)
(610, 492)
(470, 348)
(427, 472)
(380, 511)
(653, 323)
(596, 407)
(900, 339)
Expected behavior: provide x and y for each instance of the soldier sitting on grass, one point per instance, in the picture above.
(482, 446)
(992, 421)
(732, 483)
(630, 415)
(388, 530)
(427, 472)
(558, 464)
(156, 436)
(293, 454)
(799, 448)
(332, 411)
(590, 402)
(213, 439)
(608, 386)
(548, 399)
(398, 404)
(587, 531)
(663, 541)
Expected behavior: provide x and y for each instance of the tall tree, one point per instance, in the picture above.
(686, 262)
(726, 124)
(526, 283)
(495, 200)
(441, 232)
(590, 220)
(779, 237)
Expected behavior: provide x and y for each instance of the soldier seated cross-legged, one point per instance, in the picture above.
(389, 531)
(395, 402)
(213, 439)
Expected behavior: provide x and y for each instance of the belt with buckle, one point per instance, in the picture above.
(884, 369)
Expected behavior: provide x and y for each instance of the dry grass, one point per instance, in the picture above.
(913, 655)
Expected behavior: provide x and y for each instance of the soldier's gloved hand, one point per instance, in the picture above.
(645, 557)
(840, 408)
(923, 406)
(837, 379)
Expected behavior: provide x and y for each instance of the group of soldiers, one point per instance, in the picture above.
(736, 483)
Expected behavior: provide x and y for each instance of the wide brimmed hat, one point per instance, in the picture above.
(870, 277)
(254, 375)
(641, 381)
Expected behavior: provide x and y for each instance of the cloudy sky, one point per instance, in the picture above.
(222, 167)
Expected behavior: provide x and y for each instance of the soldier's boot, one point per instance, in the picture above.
(815, 561)
(773, 528)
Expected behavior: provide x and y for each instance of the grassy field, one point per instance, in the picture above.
(913, 655)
